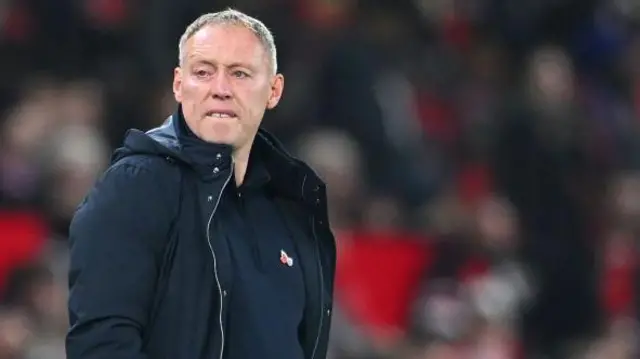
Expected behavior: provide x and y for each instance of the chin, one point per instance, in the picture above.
(220, 140)
(224, 134)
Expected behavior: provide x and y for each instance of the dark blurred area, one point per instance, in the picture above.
(482, 160)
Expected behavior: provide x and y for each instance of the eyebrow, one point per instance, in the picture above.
(240, 64)
(232, 65)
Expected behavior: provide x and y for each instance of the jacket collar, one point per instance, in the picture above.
(290, 176)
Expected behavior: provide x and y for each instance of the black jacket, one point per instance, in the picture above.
(143, 277)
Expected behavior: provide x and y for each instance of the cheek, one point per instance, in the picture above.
(191, 89)
(256, 111)
(257, 101)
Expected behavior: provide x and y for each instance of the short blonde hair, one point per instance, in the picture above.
(232, 17)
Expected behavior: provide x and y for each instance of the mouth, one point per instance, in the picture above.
(221, 114)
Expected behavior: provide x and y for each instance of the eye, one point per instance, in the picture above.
(240, 74)
(201, 73)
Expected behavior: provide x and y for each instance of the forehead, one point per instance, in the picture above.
(226, 44)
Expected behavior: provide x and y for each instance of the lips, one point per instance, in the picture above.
(221, 114)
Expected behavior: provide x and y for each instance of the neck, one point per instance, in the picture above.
(241, 163)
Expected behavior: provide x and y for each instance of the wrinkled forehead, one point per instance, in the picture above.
(226, 44)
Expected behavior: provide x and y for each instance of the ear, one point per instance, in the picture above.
(177, 84)
(277, 86)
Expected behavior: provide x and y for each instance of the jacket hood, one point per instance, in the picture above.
(161, 141)
(290, 173)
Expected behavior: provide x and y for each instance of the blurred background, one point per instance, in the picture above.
(482, 159)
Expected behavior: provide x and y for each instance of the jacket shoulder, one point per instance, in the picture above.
(133, 181)
(146, 162)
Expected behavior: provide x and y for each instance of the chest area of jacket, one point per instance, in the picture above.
(211, 214)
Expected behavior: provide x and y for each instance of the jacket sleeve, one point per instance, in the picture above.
(116, 238)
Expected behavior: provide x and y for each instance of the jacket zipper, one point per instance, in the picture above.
(215, 262)
(319, 262)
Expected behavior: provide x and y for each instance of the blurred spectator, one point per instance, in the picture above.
(544, 166)
(338, 160)
(14, 334)
(365, 91)
(23, 135)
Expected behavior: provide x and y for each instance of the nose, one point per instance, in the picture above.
(221, 86)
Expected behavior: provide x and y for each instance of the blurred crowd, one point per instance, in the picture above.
(482, 161)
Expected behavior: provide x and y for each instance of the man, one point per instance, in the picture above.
(205, 239)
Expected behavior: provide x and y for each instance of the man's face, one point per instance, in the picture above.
(225, 84)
